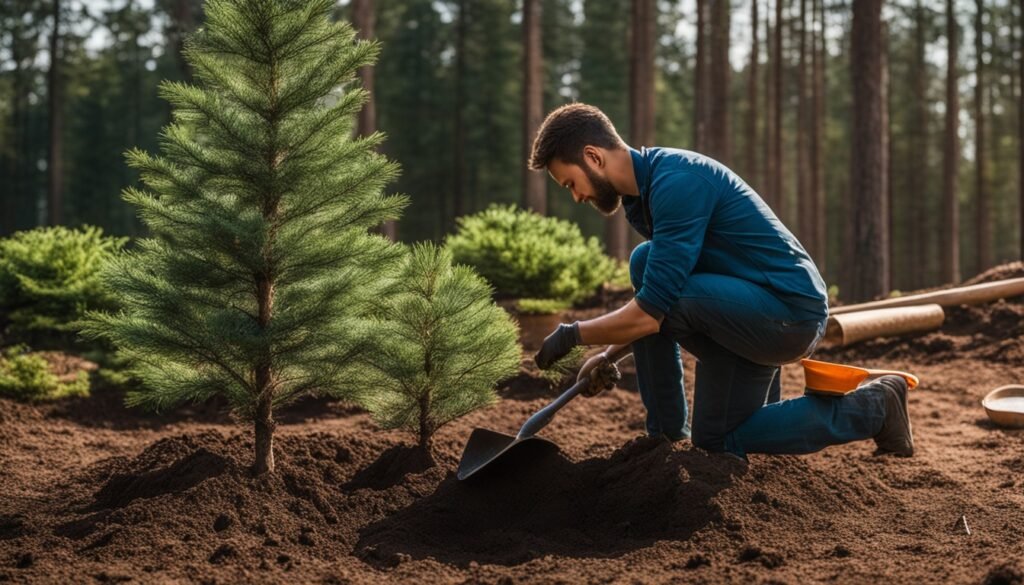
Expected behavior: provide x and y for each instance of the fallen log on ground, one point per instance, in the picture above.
(850, 328)
(964, 295)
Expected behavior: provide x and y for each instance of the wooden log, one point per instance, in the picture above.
(964, 295)
(853, 327)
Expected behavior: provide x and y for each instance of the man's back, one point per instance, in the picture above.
(697, 205)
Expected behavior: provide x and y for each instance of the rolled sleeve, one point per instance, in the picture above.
(681, 208)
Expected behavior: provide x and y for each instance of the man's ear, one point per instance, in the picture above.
(594, 155)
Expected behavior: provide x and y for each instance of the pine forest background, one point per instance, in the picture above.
(928, 155)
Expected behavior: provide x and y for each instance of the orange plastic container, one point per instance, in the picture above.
(839, 379)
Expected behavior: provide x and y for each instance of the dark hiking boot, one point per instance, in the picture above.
(896, 436)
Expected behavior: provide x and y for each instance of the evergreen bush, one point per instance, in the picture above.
(49, 278)
(258, 279)
(27, 376)
(445, 345)
(524, 254)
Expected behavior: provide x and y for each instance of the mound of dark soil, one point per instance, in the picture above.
(543, 503)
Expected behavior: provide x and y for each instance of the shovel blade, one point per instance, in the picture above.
(485, 446)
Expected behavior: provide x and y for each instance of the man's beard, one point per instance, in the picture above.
(606, 199)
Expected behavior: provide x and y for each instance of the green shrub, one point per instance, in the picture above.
(27, 376)
(528, 255)
(541, 306)
(444, 344)
(49, 277)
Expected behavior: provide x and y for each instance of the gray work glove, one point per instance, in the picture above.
(557, 345)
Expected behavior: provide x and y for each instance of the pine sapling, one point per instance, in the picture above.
(257, 280)
(444, 346)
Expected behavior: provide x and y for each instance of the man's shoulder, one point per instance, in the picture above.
(673, 168)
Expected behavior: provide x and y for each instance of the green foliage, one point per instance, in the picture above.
(49, 277)
(527, 255)
(444, 346)
(258, 277)
(27, 376)
(541, 306)
(565, 369)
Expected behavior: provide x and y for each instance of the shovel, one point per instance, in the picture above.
(484, 446)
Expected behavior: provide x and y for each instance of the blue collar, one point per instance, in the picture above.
(641, 170)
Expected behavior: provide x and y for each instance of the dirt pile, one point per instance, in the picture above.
(991, 332)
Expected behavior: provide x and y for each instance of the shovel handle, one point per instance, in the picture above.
(543, 416)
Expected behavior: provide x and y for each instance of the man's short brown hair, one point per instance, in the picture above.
(567, 130)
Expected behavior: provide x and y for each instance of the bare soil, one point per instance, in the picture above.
(93, 492)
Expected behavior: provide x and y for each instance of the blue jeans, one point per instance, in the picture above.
(740, 334)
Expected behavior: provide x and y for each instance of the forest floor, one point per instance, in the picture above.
(92, 491)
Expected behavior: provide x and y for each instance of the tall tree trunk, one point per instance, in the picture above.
(458, 203)
(534, 183)
(869, 278)
(55, 166)
(805, 207)
(183, 20)
(818, 53)
(364, 19)
(751, 142)
(641, 108)
(720, 135)
(950, 240)
(768, 158)
(702, 83)
(918, 164)
(887, 157)
(778, 196)
(983, 230)
(1020, 120)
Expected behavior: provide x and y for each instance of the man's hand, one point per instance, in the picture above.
(603, 374)
(557, 345)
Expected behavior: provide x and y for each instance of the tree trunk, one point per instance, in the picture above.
(534, 183)
(55, 203)
(184, 23)
(701, 83)
(818, 53)
(778, 197)
(751, 143)
(641, 109)
(364, 19)
(264, 438)
(983, 234)
(425, 433)
(263, 376)
(950, 240)
(918, 164)
(1020, 120)
(805, 207)
(641, 88)
(768, 159)
(458, 203)
(720, 138)
(869, 278)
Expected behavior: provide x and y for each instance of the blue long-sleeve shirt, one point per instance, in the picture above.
(701, 217)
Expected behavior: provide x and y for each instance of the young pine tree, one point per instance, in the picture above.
(257, 279)
(445, 345)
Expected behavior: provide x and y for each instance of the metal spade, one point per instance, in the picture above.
(484, 446)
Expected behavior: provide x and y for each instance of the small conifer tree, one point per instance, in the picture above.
(445, 345)
(257, 279)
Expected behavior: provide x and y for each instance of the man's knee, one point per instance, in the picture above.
(638, 263)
